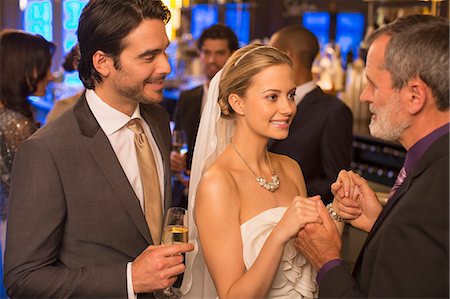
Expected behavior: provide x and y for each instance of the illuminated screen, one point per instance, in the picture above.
(319, 24)
(38, 18)
(349, 32)
(71, 14)
(237, 17)
(203, 16)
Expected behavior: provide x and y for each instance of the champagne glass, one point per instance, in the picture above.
(179, 143)
(175, 231)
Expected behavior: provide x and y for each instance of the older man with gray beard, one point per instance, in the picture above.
(406, 251)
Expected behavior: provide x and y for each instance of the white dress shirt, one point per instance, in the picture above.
(113, 123)
(303, 90)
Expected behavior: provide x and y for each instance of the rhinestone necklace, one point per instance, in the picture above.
(269, 186)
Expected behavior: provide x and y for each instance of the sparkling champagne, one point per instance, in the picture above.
(175, 234)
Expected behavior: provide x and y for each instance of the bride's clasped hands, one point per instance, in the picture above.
(301, 211)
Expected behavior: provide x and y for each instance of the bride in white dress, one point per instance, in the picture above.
(247, 204)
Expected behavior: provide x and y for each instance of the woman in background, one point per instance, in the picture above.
(25, 61)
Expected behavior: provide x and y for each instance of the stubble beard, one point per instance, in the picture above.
(385, 127)
(211, 70)
(136, 92)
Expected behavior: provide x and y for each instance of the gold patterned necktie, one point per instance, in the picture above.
(149, 178)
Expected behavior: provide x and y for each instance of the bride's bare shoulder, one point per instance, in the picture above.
(217, 175)
(217, 181)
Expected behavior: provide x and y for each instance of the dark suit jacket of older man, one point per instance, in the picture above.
(320, 140)
(406, 254)
(75, 221)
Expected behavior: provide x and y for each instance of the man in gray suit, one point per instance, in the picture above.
(77, 226)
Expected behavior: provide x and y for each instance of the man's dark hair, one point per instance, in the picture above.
(301, 42)
(103, 26)
(219, 31)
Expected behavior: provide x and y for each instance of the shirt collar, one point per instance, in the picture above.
(109, 119)
(303, 90)
(420, 147)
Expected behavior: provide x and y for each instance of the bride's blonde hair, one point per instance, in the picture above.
(240, 69)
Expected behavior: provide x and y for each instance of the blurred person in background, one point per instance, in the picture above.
(25, 61)
(70, 64)
(215, 45)
(320, 137)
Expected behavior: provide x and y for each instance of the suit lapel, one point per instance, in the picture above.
(437, 149)
(390, 204)
(387, 208)
(104, 155)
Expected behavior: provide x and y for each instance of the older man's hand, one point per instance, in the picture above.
(319, 242)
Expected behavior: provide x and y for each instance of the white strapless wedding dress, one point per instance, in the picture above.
(296, 277)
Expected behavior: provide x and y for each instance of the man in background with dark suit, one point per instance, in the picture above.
(85, 215)
(215, 46)
(406, 253)
(320, 136)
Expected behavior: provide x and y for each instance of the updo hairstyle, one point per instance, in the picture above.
(240, 69)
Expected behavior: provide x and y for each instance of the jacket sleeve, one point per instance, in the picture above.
(35, 235)
(338, 282)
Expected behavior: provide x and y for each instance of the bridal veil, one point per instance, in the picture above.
(213, 136)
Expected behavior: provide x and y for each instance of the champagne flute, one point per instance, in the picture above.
(179, 143)
(175, 231)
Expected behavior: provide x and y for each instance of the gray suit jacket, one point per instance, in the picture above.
(75, 221)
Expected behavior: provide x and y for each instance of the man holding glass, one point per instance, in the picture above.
(89, 190)
(215, 46)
